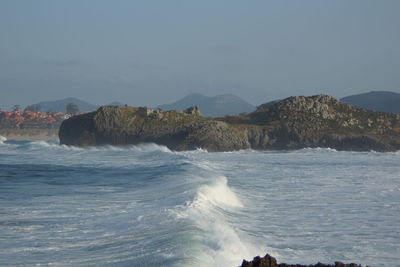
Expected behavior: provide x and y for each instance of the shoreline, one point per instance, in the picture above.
(30, 134)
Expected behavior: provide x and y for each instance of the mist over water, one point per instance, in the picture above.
(148, 206)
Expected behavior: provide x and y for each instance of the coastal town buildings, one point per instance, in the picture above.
(31, 119)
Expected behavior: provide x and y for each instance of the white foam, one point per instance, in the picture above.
(2, 139)
(224, 245)
(201, 150)
(41, 143)
(242, 151)
(143, 147)
(46, 144)
(195, 152)
(218, 193)
(316, 149)
(150, 147)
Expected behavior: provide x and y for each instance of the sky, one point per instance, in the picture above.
(147, 53)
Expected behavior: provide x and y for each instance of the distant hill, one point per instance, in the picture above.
(216, 106)
(376, 100)
(60, 105)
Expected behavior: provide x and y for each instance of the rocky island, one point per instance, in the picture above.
(292, 123)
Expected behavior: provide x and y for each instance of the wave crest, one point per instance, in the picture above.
(216, 194)
(210, 211)
(145, 147)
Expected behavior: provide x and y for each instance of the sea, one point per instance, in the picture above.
(146, 205)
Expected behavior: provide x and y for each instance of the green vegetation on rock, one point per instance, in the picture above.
(292, 123)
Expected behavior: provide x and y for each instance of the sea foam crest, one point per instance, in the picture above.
(143, 147)
(223, 244)
(315, 149)
(39, 144)
(2, 139)
(150, 147)
(42, 143)
(216, 194)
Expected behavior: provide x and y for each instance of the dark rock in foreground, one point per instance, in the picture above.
(269, 261)
(293, 123)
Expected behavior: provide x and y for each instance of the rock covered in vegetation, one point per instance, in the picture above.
(269, 261)
(292, 123)
(178, 130)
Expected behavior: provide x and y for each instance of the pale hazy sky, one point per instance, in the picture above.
(154, 52)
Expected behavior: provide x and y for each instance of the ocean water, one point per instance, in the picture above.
(148, 206)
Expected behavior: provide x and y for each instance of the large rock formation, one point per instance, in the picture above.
(269, 261)
(295, 122)
(179, 130)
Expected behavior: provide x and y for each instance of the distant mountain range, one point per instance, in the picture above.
(216, 106)
(229, 104)
(376, 100)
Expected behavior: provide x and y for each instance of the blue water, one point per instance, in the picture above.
(148, 206)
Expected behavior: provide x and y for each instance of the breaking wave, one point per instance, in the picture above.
(211, 209)
(145, 205)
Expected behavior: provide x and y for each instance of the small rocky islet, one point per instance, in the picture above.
(293, 123)
(269, 261)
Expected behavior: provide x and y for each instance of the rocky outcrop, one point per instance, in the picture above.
(269, 261)
(323, 121)
(295, 122)
(179, 130)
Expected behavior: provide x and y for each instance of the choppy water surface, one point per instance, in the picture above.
(148, 206)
